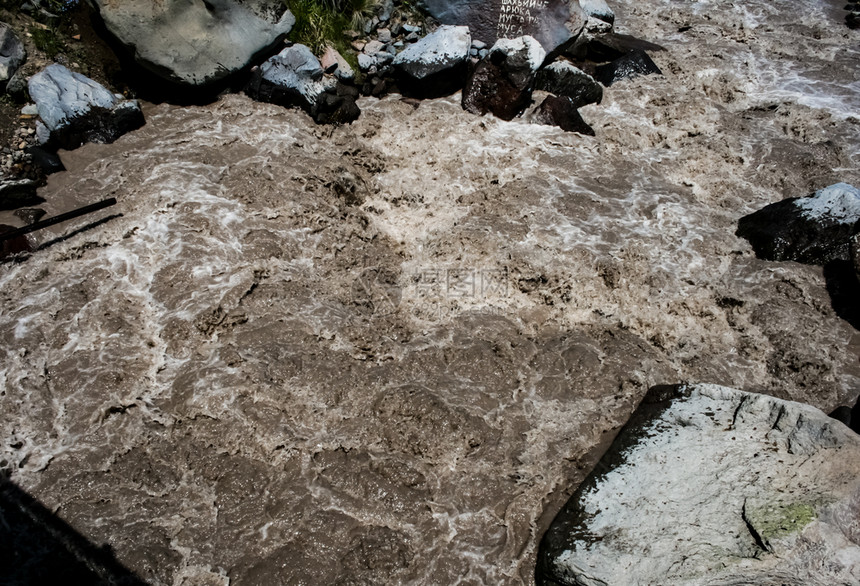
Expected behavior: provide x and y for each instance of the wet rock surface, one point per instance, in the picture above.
(502, 82)
(711, 481)
(75, 109)
(561, 111)
(816, 229)
(633, 64)
(562, 78)
(195, 43)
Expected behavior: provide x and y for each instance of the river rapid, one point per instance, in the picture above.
(388, 352)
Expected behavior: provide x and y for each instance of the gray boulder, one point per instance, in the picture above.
(74, 109)
(193, 42)
(12, 53)
(295, 78)
(711, 485)
(503, 81)
(436, 65)
(554, 23)
(563, 78)
(816, 229)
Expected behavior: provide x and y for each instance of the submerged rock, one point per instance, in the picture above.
(561, 111)
(195, 43)
(554, 23)
(563, 78)
(74, 109)
(503, 81)
(295, 78)
(633, 64)
(436, 65)
(12, 53)
(816, 229)
(711, 481)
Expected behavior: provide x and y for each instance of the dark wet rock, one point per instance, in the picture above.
(612, 46)
(12, 53)
(633, 64)
(16, 87)
(816, 229)
(295, 78)
(18, 193)
(852, 19)
(563, 78)
(502, 83)
(13, 245)
(29, 215)
(195, 43)
(598, 9)
(561, 111)
(771, 485)
(74, 109)
(436, 65)
(554, 23)
(47, 161)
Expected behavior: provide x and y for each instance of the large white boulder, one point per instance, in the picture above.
(193, 42)
(711, 485)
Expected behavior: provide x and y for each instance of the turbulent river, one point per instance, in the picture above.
(387, 352)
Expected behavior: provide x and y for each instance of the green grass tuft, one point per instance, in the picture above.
(46, 41)
(322, 22)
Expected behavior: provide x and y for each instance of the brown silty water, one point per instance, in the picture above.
(387, 352)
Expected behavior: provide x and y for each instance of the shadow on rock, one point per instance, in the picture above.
(844, 288)
(37, 547)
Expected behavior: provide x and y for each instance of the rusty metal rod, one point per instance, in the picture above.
(93, 207)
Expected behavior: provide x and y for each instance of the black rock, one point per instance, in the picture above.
(18, 193)
(814, 230)
(29, 215)
(612, 46)
(633, 64)
(562, 78)
(46, 160)
(853, 20)
(560, 111)
(502, 83)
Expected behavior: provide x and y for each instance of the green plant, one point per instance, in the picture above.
(322, 22)
(46, 41)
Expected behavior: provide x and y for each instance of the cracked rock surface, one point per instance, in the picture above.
(711, 485)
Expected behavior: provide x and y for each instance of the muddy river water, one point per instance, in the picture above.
(387, 352)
